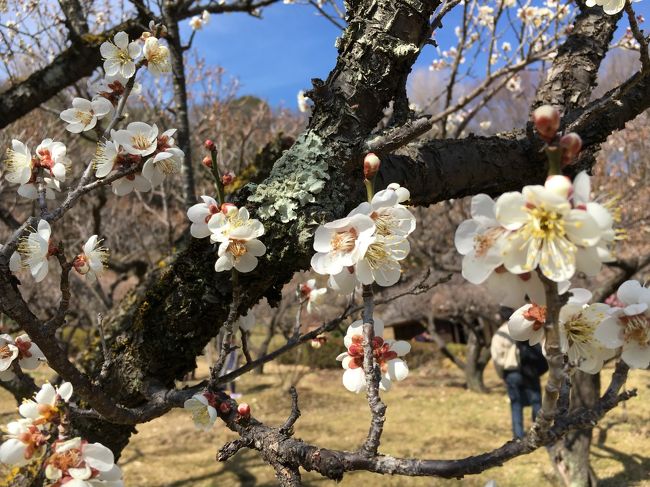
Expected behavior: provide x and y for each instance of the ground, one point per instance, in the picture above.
(430, 415)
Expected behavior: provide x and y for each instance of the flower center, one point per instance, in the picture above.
(66, 460)
(33, 438)
(545, 224)
(380, 350)
(16, 161)
(536, 314)
(139, 141)
(123, 56)
(637, 328)
(6, 351)
(376, 255)
(237, 248)
(167, 166)
(384, 222)
(579, 329)
(344, 241)
(84, 117)
(484, 242)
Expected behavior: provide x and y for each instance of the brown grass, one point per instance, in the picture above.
(430, 415)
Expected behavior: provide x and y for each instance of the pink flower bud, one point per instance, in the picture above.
(371, 165)
(207, 161)
(570, 144)
(208, 144)
(547, 121)
(224, 407)
(244, 410)
(227, 178)
(80, 264)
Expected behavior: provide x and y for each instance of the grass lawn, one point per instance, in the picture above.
(430, 415)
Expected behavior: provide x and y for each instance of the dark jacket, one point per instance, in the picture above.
(533, 364)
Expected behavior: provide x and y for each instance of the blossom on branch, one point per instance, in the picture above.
(120, 55)
(45, 407)
(313, 295)
(545, 230)
(527, 323)
(200, 215)
(628, 327)
(22, 349)
(84, 114)
(156, 56)
(577, 323)
(24, 442)
(33, 252)
(81, 464)
(202, 406)
(237, 234)
(610, 7)
(93, 260)
(387, 355)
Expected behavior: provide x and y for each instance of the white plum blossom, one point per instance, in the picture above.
(28, 354)
(239, 246)
(156, 56)
(23, 441)
(138, 138)
(84, 113)
(120, 55)
(629, 326)
(387, 354)
(312, 294)
(200, 215)
(381, 261)
(52, 156)
(342, 243)
(19, 163)
(33, 252)
(545, 231)
(578, 321)
(93, 260)
(527, 323)
(386, 210)
(163, 164)
(203, 409)
(610, 7)
(480, 240)
(81, 464)
(44, 407)
(198, 22)
(511, 290)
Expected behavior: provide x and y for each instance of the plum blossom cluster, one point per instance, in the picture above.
(49, 160)
(148, 155)
(555, 228)
(233, 229)
(591, 334)
(122, 56)
(36, 248)
(386, 353)
(367, 245)
(37, 436)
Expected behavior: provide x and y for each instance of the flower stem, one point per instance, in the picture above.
(218, 184)
(370, 191)
(554, 155)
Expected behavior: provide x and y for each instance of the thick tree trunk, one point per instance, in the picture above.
(570, 456)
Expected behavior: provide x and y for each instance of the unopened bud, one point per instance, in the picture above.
(547, 121)
(80, 264)
(570, 144)
(244, 410)
(224, 407)
(228, 209)
(207, 161)
(560, 185)
(208, 144)
(227, 178)
(371, 165)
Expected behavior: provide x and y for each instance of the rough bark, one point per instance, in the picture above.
(477, 358)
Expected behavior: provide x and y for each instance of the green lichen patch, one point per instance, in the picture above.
(295, 180)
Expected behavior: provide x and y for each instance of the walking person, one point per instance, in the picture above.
(520, 366)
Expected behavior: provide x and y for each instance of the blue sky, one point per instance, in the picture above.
(273, 57)
(276, 56)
